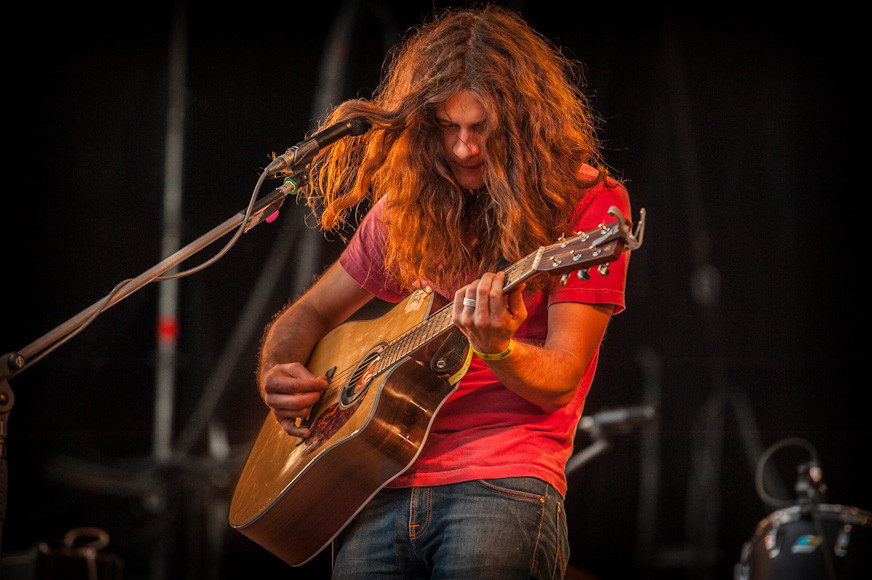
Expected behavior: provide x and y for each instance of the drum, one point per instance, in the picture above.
(822, 542)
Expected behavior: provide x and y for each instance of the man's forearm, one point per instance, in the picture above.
(294, 332)
(290, 337)
(546, 377)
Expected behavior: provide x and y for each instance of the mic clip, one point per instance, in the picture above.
(297, 155)
(810, 485)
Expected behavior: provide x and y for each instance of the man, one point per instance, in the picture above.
(482, 149)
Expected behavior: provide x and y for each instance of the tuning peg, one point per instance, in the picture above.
(603, 269)
(564, 279)
(583, 275)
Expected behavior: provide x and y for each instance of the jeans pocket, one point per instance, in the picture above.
(522, 488)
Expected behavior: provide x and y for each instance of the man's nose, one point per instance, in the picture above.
(466, 146)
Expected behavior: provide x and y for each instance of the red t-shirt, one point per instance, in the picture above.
(483, 430)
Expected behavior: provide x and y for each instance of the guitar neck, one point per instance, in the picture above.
(441, 321)
(583, 250)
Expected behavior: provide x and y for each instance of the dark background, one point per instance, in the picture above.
(737, 128)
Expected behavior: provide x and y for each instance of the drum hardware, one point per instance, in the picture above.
(806, 539)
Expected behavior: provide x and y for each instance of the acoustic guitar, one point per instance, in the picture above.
(388, 379)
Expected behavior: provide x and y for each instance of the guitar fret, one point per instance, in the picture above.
(522, 268)
(428, 331)
(416, 337)
(388, 356)
(442, 320)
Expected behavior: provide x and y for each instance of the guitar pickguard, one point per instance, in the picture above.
(327, 424)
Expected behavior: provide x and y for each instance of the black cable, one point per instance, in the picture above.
(764, 459)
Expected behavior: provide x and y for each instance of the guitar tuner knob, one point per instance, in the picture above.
(583, 275)
(603, 269)
(564, 279)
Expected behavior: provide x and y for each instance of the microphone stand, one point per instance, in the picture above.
(604, 423)
(15, 362)
(598, 447)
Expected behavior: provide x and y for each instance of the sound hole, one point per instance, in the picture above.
(362, 376)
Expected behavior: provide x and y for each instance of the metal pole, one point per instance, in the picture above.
(167, 316)
(167, 322)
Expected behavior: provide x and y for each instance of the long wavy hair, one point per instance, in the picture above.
(539, 131)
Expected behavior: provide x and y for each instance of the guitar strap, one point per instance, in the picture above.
(453, 356)
(455, 378)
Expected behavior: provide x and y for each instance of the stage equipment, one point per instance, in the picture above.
(809, 540)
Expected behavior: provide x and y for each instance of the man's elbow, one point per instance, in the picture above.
(558, 399)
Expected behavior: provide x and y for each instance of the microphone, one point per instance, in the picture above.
(617, 420)
(303, 152)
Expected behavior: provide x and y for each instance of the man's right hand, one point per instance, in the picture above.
(288, 388)
(290, 391)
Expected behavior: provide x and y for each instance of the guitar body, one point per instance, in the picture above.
(295, 495)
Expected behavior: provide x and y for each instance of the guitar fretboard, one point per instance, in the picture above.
(439, 322)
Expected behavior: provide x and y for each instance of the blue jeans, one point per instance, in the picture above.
(498, 529)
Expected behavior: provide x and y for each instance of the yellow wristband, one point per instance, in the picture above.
(495, 356)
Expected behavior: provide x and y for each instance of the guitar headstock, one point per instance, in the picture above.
(597, 247)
